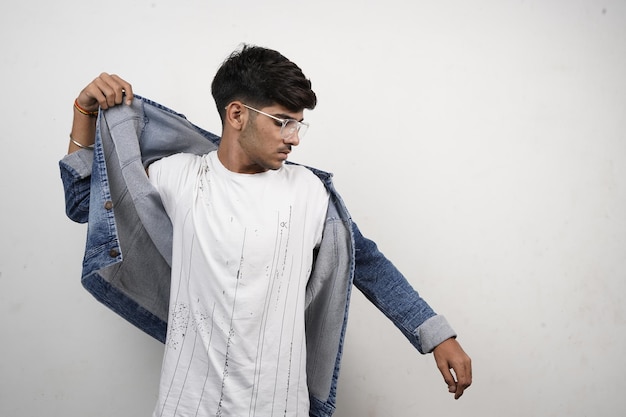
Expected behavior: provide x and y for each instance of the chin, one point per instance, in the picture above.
(276, 165)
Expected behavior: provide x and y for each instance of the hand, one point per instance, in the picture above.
(449, 355)
(107, 90)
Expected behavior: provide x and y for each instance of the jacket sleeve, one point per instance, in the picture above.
(76, 178)
(385, 286)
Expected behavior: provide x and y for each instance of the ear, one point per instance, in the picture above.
(236, 116)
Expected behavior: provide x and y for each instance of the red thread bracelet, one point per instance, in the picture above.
(83, 111)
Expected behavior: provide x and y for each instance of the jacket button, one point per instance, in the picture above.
(114, 253)
(108, 205)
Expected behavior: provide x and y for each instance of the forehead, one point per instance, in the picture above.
(282, 112)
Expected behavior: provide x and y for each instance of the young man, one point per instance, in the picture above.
(263, 253)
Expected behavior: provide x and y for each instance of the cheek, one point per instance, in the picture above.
(265, 138)
(252, 142)
(249, 136)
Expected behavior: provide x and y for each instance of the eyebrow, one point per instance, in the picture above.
(286, 116)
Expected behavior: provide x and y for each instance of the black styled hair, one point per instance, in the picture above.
(261, 77)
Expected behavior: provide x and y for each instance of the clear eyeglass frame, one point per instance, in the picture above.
(288, 126)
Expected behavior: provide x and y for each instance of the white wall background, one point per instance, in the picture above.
(481, 143)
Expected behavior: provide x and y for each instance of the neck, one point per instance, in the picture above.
(235, 159)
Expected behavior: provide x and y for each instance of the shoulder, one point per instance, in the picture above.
(176, 161)
(180, 159)
(175, 171)
(301, 173)
(306, 180)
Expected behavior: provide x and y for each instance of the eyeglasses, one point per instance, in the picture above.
(288, 126)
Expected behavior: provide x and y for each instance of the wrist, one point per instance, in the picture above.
(83, 110)
(82, 144)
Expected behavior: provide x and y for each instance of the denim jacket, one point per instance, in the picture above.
(127, 257)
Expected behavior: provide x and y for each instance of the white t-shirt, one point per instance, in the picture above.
(243, 252)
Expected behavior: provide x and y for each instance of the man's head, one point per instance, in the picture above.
(261, 77)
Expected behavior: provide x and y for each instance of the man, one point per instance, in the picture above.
(263, 252)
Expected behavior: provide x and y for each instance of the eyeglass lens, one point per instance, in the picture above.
(292, 127)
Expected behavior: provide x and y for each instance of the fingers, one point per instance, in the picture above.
(449, 380)
(463, 381)
(127, 89)
(456, 385)
(464, 377)
(109, 90)
(461, 367)
(105, 91)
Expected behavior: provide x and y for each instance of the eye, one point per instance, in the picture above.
(291, 125)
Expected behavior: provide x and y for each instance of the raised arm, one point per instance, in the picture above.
(104, 92)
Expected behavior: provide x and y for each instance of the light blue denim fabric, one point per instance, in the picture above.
(128, 249)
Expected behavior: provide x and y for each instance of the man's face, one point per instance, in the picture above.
(261, 143)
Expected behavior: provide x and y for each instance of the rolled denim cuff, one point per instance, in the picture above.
(432, 332)
(80, 161)
(76, 177)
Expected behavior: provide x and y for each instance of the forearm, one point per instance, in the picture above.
(385, 286)
(83, 131)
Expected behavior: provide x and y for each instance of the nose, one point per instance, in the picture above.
(293, 139)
